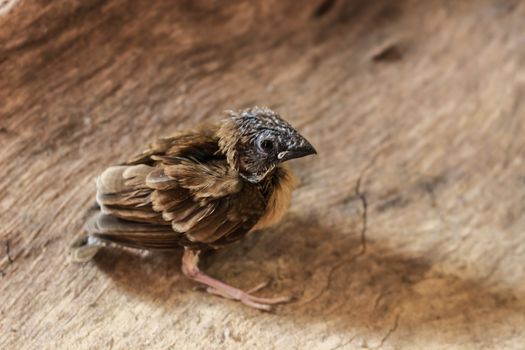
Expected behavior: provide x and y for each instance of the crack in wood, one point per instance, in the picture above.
(8, 252)
(364, 217)
(324, 8)
(340, 346)
(389, 333)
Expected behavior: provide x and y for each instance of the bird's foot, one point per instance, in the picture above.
(247, 298)
(190, 269)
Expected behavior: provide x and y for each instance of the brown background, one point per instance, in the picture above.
(406, 232)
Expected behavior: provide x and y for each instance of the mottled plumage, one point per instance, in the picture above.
(199, 189)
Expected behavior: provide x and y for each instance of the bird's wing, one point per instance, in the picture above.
(201, 144)
(171, 199)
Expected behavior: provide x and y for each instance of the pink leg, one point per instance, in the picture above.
(190, 268)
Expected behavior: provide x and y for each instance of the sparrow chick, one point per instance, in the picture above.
(200, 190)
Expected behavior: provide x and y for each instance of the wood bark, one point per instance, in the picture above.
(407, 230)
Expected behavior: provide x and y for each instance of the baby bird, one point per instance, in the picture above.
(200, 190)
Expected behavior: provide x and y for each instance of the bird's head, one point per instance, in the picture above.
(256, 140)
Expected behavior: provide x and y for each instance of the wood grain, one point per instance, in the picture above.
(406, 231)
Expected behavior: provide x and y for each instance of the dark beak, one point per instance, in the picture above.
(300, 148)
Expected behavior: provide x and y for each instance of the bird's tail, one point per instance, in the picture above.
(85, 248)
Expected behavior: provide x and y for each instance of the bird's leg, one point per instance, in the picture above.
(190, 268)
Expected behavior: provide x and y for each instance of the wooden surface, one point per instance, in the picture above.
(407, 231)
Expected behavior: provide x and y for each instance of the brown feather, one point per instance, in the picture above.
(166, 186)
(282, 185)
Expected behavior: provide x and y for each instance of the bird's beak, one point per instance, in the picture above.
(299, 148)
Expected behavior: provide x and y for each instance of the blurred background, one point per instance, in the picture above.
(405, 233)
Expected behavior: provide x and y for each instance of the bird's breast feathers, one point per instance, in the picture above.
(283, 183)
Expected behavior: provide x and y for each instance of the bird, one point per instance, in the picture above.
(199, 190)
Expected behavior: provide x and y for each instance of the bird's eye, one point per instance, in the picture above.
(266, 145)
